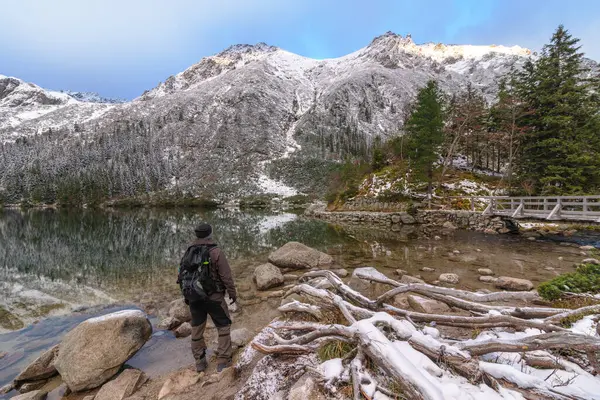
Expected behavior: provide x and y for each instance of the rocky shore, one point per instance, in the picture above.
(304, 290)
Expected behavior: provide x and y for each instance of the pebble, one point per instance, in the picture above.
(586, 248)
(531, 238)
(437, 238)
(478, 250)
(456, 252)
(427, 269)
(561, 258)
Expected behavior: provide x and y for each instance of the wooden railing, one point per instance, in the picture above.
(581, 208)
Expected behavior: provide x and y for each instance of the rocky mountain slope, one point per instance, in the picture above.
(249, 119)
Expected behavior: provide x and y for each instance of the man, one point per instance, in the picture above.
(215, 304)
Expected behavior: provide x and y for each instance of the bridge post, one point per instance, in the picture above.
(472, 204)
(555, 213)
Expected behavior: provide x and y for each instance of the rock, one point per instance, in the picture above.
(184, 330)
(591, 261)
(35, 395)
(449, 278)
(124, 385)
(298, 256)
(516, 284)
(94, 351)
(401, 272)
(305, 389)
(240, 337)
(456, 251)
(586, 247)
(488, 279)
(485, 271)
(342, 273)
(6, 388)
(360, 284)
(60, 391)
(549, 268)
(401, 301)
(179, 310)
(531, 238)
(410, 279)
(2, 354)
(561, 258)
(421, 304)
(427, 269)
(31, 386)
(407, 219)
(290, 278)
(169, 323)
(178, 382)
(448, 225)
(267, 276)
(437, 238)
(396, 219)
(41, 368)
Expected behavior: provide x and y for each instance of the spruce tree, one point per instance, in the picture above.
(425, 129)
(560, 152)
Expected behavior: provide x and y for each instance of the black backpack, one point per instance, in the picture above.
(194, 277)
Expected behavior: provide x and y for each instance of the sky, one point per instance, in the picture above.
(119, 48)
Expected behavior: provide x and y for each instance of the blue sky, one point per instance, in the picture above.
(120, 48)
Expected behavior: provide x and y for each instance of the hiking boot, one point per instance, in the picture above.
(222, 365)
(201, 365)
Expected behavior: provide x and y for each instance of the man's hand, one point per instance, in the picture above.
(233, 299)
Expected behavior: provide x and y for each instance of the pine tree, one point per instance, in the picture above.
(560, 153)
(425, 129)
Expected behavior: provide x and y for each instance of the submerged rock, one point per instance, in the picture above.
(296, 255)
(485, 271)
(35, 395)
(179, 310)
(124, 385)
(267, 276)
(41, 368)
(449, 278)
(516, 284)
(488, 279)
(95, 350)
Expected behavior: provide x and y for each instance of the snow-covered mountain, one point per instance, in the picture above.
(254, 118)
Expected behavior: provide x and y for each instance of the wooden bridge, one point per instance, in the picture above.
(557, 208)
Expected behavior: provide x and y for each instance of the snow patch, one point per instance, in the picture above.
(117, 315)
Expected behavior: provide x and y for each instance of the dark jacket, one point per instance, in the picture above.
(219, 269)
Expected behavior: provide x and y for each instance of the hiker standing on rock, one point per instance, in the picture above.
(204, 277)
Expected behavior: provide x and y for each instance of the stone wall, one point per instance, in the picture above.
(450, 219)
(370, 204)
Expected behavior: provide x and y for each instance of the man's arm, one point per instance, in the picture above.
(225, 274)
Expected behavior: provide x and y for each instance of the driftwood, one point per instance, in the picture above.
(373, 327)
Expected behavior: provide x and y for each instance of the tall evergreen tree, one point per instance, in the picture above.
(561, 152)
(425, 129)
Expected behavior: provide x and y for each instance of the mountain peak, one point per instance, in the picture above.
(248, 48)
(390, 36)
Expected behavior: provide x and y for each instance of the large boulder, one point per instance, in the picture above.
(515, 284)
(169, 323)
(267, 276)
(428, 306)
(41, 368)
(184, 330)
(180, 311)
(299, 256)
(95, 350)
(124, 385)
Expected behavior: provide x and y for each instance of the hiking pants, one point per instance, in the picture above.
(219, 313)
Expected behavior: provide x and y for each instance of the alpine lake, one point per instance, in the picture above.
(61, 266)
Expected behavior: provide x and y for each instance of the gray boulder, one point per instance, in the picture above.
(591, 261)
(95, 350)
(299, 256)
(41, 368)
(179, 310)
(485, 271)
(342, 273)
(515, 284)
(306, 389)
(488, 279)
(124, 385)
(267, 276)
(407, 219)
(240, 337)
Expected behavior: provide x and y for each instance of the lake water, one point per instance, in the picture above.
(54, 263)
